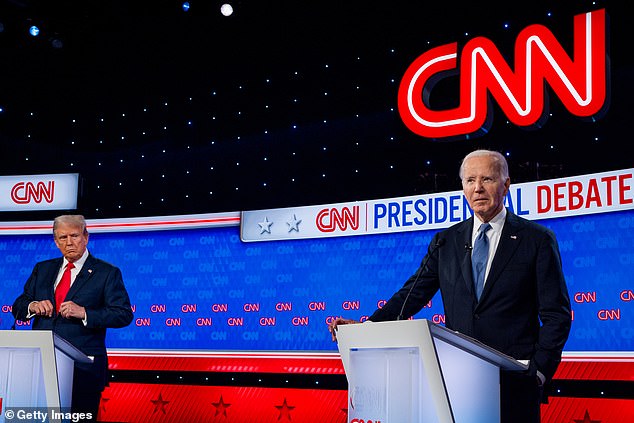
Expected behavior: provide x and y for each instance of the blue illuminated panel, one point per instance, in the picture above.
(205, 289)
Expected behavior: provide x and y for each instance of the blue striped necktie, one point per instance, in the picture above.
(479, 258)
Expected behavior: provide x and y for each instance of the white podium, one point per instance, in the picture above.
(36, 369)
(417, 371)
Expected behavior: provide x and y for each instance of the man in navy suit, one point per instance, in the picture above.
(523, 309)
(97, 300)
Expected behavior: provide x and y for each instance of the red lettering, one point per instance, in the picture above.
(558, 188)
(330, 219)
(25, 192)
(574, 191)
(543, 193)
(623, 188)
(580, 84)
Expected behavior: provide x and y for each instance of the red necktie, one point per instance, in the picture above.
(63, 286)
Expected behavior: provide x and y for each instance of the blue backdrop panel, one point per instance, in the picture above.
(205, 289)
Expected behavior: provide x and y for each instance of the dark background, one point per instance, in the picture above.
(284, 103)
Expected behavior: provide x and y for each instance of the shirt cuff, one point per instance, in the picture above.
(29, 314)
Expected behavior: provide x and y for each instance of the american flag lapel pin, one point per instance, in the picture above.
(513, 236)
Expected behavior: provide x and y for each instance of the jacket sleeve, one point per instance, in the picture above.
(553, 307)
(20, 308)
(115, 310)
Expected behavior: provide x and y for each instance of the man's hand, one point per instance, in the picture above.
(332, 327)
(69, 309)
(41, 308)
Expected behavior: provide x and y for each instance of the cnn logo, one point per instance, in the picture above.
(27, 192)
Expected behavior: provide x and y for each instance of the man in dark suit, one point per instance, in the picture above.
(521, 307)
(94, 299)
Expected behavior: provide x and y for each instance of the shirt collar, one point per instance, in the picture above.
(79, 263)
(496, 223)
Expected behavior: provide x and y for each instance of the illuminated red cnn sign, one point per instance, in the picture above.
(27, 192)
(330, 219)
(580, 82)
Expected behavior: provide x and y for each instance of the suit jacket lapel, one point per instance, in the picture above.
(82, 278)
(53, 271)
(509, 241)
(464, 241)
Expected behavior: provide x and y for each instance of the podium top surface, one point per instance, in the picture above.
(477, 348)
(39, 339)
(406, 333)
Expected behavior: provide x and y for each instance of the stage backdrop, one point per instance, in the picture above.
(195, 284)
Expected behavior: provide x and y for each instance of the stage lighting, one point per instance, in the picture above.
(186, 6)
(226, 9)
(34, 31)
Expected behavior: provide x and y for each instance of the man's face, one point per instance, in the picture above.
(71, 241)
(483, 187)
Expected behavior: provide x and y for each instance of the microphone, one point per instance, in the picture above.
(439, 243)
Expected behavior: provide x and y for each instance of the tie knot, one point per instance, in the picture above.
(484, 228)
(70, 266)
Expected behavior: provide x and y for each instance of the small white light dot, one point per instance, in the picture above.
(226, 9)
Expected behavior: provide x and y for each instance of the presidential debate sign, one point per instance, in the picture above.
(574, 196)
(195, 285)
(579, 81)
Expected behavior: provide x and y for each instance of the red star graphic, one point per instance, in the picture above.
(285, 410)
(221, 407)
(587, 419)
(159, 404)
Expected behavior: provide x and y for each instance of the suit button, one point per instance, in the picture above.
(476, 316)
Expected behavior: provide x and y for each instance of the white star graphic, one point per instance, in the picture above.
(265, 226)
(293, 225)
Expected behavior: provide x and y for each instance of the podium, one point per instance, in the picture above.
(418, 371)
(36, 368)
